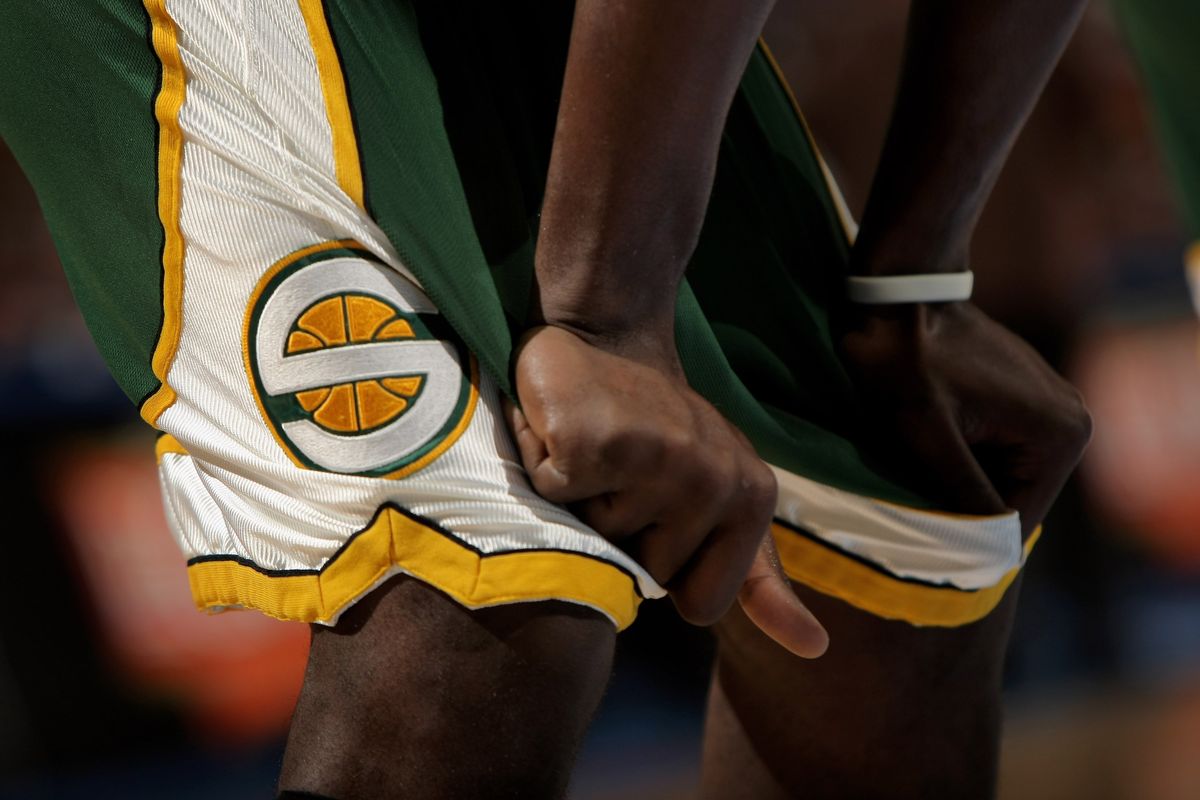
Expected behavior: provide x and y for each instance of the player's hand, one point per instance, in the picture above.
(990, 425)
(651, 466)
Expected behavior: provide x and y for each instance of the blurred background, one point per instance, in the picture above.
(111, 684)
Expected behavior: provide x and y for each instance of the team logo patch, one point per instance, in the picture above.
(353, 368)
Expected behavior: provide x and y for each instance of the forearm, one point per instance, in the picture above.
(972, 73)
(634, 155)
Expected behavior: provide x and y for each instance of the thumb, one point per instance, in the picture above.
(768, 601)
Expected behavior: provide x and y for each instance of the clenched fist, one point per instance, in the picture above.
(651, 466)
(992, 425)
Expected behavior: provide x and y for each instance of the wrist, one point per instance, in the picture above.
(907, 253)
(634, 317)
(651, 343)
(909, 327)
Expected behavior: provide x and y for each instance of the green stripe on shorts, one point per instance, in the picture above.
(76, 109)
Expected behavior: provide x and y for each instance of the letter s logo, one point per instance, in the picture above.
(353, 367)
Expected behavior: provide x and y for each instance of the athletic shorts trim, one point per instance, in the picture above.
(167, 106)
(924, 567)
(399, 542)
(270, 181)
(865, 585)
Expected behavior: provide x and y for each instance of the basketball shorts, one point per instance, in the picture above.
(301, 232)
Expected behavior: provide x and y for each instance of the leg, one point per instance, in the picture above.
(413, 696)
(892, 710)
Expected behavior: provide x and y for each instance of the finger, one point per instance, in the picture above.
(705, 587)
(936, 444)
(1033, 498)
(618, 514)
(551, 481)
(707, 584)
(530, 446)
(1044, 449)
(767, 599)
(666, 549)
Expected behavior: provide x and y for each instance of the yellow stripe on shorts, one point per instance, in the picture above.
(830, 571)
(167, 104)
(398, 542)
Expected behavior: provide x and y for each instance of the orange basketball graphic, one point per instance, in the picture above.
(361, 406)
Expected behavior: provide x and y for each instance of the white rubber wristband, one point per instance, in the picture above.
(937, 287)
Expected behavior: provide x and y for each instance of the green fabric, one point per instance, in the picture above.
(455, 115)
(769, 267)
(76, 109)
(753, 327)
(1164, 36)
(409, 172)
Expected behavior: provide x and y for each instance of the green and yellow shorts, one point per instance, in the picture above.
(302, 234)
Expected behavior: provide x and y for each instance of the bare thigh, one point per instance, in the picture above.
(891, 711)
(411, 695)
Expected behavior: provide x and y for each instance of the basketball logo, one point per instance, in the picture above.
(363, 405)
(353, 367)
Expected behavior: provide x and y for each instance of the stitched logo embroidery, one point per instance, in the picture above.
(353, 367)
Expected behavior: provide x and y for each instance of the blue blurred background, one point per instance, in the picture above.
(111, 684)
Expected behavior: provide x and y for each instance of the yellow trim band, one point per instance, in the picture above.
(337, 101)
(395, 542)
(167, 444)
(170, 165)
(836, 574)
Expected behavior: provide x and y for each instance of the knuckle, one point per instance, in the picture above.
(623, 445)
(677, 442)
(760, 489)
(713, 479)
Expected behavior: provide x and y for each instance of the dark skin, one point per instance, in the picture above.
(411, 695)
(608, 422)
(890, 711)
(628, 185)
(894, 710)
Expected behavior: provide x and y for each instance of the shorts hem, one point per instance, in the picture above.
(399, 542)
(823, 567)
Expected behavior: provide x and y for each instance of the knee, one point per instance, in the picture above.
(412, 695)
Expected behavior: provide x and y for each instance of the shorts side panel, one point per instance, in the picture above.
(167, 104)
(321, 397)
